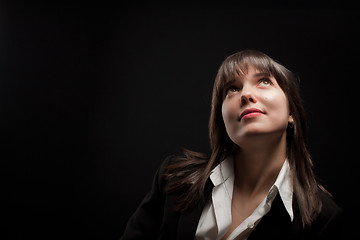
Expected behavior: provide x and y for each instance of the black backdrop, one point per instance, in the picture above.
(93, 98)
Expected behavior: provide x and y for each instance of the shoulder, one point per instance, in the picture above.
(329, 207)
(166, 163)
(328, 223)
(180, 166)
(173, 173)
(329, 210)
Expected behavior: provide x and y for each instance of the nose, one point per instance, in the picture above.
(247, 97)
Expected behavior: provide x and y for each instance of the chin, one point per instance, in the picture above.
(254, 129)
(250, 133)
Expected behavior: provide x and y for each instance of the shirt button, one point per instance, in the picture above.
(250, 225)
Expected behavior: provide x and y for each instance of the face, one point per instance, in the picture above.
(253, 106)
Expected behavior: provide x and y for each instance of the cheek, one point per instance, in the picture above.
(229, 115)
(277, 106)
(228, 110)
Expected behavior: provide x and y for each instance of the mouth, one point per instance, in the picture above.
(250, 113)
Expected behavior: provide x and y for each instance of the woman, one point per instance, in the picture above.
(258, 181)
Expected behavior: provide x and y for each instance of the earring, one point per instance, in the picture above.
(291, 122)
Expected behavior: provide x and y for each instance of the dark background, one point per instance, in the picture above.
(93, 98)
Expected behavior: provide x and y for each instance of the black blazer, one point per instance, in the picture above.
(156, 218)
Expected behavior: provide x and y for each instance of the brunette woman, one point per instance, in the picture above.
(258, 182)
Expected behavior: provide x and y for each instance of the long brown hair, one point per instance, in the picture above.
(189, 173)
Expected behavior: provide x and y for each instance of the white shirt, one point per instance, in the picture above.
(215, 219)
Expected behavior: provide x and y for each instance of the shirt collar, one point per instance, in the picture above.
(282, 185)
(222, 171)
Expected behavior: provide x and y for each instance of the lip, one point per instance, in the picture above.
(250, 113)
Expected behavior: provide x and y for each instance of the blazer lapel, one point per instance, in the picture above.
(189, 220)
(276, 224)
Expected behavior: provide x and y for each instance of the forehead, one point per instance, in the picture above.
(252, 72)
(242, 72)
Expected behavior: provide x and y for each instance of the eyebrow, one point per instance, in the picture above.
(262, 74)
(228, 83)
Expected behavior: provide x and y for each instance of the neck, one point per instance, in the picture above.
(257, 164)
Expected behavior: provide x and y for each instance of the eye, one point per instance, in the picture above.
(264, 82)
(231, 89)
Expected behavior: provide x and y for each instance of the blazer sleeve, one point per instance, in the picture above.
(146, 221)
